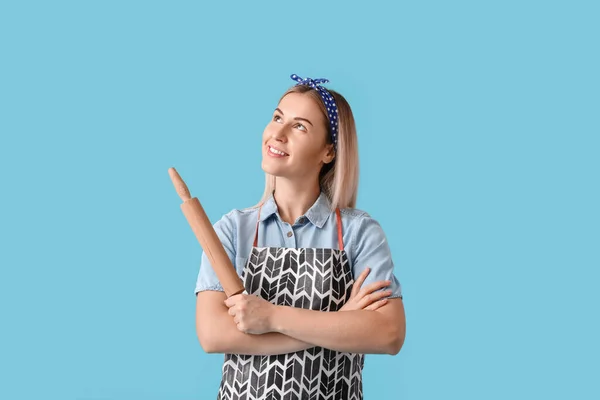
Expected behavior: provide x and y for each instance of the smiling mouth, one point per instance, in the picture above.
(276, 152)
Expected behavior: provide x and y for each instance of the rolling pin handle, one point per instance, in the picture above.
(244, 291)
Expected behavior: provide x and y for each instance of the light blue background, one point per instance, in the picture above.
(479, 143)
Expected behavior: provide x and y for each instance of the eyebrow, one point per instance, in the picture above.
(297, 118)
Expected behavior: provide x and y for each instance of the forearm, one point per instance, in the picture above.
(358, 331)
(266, 344)
(226, 338)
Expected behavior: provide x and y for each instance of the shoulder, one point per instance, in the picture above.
(353, 213)
(241, 212)
(238, 216)
(362, 227)
(356, 216)
(234, 223)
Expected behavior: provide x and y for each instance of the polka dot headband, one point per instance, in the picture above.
(327, 99)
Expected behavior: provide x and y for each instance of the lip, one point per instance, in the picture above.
(276, 155)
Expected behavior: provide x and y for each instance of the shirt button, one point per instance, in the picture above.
(290, 234)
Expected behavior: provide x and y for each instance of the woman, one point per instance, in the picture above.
(319, 273)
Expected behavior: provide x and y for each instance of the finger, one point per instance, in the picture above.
(359, 281)
(371, 287)
(230, 301)
(231, 311)
(373, 297)
(377, 305)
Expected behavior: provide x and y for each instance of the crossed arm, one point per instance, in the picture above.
(244, 324)
(218, 332)
(247, 324)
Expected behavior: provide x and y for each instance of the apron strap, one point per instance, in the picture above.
(339, 228)
(256, 233)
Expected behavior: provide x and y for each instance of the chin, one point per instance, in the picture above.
(272, 170)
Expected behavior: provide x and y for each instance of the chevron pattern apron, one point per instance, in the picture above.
(310, 278)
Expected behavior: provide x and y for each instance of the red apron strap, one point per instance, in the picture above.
(256, 233)
(339, 229)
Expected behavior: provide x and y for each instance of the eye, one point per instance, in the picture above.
(303, 127)
(276, 117)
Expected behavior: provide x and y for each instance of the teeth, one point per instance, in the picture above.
(272, 150)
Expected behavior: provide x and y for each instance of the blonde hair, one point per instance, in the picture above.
(338, 179)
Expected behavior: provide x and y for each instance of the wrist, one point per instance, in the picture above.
(276, 318)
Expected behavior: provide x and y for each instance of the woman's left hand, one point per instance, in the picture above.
(251, 313)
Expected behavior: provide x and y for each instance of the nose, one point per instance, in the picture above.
(279, 134)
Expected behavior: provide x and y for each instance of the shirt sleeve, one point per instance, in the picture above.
(207, 279)
(371, 250)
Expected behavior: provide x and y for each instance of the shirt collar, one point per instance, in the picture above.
(317, 213)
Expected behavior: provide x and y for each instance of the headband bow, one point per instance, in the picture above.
(327, 99)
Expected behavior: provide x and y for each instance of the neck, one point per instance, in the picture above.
(293, 200)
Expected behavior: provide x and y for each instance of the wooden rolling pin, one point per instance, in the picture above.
(206, 235)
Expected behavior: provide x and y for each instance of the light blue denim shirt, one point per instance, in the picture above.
(364, 240)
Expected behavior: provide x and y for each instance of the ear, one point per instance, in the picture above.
(329, 155)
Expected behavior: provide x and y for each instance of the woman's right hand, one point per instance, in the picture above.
(364, 298)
